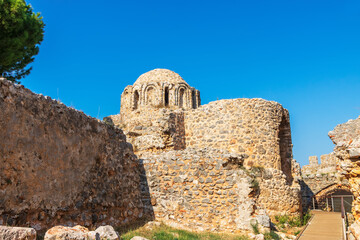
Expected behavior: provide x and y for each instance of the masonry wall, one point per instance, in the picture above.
(255, 127)
(202, 190)
(59, 166)
(277, 196)
(154, 130)
(318, 176)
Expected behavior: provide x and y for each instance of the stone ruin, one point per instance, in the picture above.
(216, 167)
(159, 88)
(346, 138)
(318, 180)
(249, 175)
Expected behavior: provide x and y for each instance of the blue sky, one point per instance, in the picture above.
(302, 54)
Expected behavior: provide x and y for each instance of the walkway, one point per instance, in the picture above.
(324, 226)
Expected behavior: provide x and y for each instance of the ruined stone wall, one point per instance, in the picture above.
(157, 129)
(202, 190)
(59, 166)
(277, 196)
(346, 137)
(255, 127)
(326, 166)
(317, 177)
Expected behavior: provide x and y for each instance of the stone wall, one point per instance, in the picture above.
(319, 177)
(255, 127)
(59, 166)
(277, 196)
(202, 190)
(346, 137)
(326, 166)
(155, 130)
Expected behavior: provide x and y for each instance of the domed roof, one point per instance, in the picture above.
(159, 76)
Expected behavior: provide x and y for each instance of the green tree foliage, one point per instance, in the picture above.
(21, 32)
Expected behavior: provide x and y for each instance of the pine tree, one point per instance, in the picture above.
(21, 32)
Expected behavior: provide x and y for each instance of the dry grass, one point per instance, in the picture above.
(164, 232)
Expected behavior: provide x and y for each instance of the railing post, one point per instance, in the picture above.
(342, 208)
(327, 204)
(313, 200)
(343, 217)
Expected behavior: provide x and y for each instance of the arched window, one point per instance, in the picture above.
(136, 99)
(181, 97)
(150, 96)
(166, 97)
(193, 99)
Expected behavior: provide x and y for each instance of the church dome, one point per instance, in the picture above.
(160, 76)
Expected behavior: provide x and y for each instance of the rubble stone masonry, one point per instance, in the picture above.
(256, 129)
(59, 166)
(317, 177)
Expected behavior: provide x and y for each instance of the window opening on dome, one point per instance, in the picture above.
(193, 99)
(181, 97)
(136, 99)
(166, 96)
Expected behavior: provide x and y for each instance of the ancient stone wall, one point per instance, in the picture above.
(346, 137)
(276, 195)
(158, 129)
(255, 127)
(59, 166)
(203, 190)
(326, 166)
(318, 177)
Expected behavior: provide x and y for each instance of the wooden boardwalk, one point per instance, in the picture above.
(324, 226)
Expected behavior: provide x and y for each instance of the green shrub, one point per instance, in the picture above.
(255, 228)
(271, 236)
(306, 218)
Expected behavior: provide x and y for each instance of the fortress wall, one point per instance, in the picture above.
(59, 166)
(255, 127)
(316, 177)
(277, 196)
(259, 129)
(202, 190)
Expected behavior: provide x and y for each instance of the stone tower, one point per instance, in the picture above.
(159, 88)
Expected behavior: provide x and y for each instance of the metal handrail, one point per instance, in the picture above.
(343, 218)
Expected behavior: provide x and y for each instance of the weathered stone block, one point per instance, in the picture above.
(17, 233)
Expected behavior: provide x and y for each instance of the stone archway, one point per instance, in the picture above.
(331, 197)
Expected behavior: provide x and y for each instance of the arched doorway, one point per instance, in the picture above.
(332, 198)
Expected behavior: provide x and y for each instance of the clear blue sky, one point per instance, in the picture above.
(302, 54)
